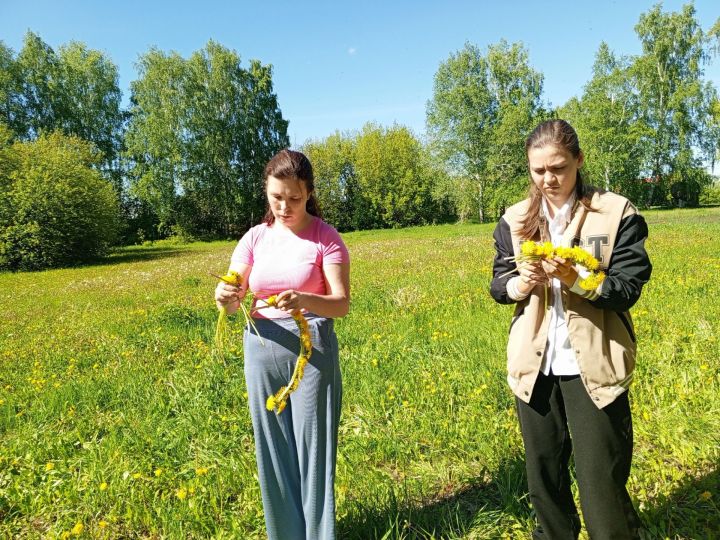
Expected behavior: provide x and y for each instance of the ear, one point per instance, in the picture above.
(581, 159)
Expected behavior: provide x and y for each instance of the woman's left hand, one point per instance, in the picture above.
(290, 300)
(562, 269)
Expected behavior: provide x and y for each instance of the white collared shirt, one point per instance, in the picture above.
(559, 355)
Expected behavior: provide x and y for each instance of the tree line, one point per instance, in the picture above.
(79, 173)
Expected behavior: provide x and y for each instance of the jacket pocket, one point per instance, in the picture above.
(515, 318)
(627, 325)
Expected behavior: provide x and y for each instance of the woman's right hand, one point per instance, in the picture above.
(228, 294)
(531, 274)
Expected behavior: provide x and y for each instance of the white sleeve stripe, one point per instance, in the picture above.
(512, 290)
(589, 295)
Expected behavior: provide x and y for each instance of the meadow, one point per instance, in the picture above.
(117, 421)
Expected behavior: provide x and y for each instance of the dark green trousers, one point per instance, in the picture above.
(561, 420)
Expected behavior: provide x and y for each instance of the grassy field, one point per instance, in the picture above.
(116, 421)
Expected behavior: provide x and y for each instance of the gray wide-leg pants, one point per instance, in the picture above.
(295, 450)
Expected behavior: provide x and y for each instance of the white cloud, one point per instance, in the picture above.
(352, 50)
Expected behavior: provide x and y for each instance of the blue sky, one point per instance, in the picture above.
(340, 64)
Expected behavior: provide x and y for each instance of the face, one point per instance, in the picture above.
(287, 200)
(554, 171)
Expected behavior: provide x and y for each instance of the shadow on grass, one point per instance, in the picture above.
(448, 514)
(138, 254)
(691, 511)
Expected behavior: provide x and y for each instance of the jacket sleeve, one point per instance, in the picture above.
(629, 268)
(503, 249)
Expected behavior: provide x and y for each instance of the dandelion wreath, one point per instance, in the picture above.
(277, 401)
(534, 251)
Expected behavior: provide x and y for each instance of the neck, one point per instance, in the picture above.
(554, 207)
(295, 228)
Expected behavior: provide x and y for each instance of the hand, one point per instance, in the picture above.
(531, 274)
(557, 267)
(291, 300)
(228, 294)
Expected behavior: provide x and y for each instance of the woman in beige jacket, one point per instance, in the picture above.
(571, 352)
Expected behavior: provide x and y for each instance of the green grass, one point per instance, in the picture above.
(115, 414)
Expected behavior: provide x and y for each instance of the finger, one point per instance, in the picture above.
(284, 295)
(227, 287)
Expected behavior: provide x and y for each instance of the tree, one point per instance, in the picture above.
(674, 100)
(336, 188)
(459, 123)
(482, 109)
(89, 102)
(392, 178)
(38, 71)
(10, 107)
(55, 207)
(607, 120)
(153, 140)
(75, 90)
(200, 133)
(516, 88)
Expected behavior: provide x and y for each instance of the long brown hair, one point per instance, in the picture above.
(289, 164)
(561, 134)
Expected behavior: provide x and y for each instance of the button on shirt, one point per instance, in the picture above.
(559, 355)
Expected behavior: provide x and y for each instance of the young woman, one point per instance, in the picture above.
(295, 255)
(571, 352)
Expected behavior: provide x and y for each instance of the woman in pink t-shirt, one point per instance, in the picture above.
(298, 257)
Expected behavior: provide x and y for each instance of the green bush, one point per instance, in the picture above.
(55, 208)
(710, 195)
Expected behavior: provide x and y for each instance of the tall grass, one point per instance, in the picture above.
(116, 421)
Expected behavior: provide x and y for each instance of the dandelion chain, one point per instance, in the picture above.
(221, 328)
(534, 251)
(277, 401)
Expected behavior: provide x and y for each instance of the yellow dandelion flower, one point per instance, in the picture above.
(592, 281)
(49, 466)
(77, 529)
(583, 258)
(547, 250)
(201, 471)
(102, 523)
(158, 472)
(564, 252)
(103, 486)
(232, 278)
(528, 248)
(270, 403)
(181, 494)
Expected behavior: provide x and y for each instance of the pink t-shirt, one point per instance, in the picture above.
(283, 260)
